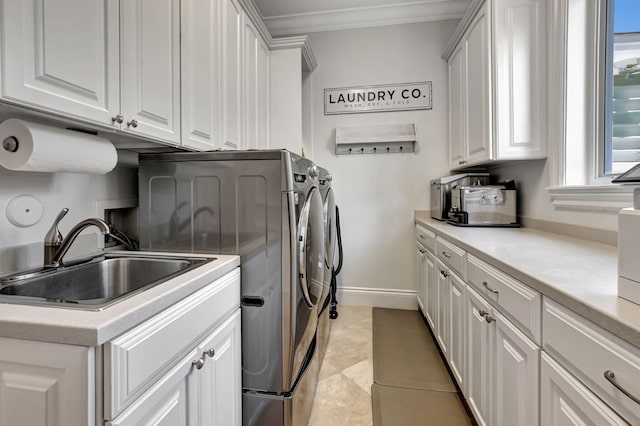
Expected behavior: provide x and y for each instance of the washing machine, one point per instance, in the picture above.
(265, 206)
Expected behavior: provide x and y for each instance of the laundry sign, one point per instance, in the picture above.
(386, 97)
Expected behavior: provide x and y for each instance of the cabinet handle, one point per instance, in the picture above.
(444, 253)
(132, 123)
(117, 119)
(423, 237)
(422, 251)
(198, 363)
(486, 285)
(611, 377)
(444, 273)
(482, 312)
(489, 319)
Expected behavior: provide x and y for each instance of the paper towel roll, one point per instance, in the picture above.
(34, 147)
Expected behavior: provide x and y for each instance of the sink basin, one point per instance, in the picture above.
(97, 283)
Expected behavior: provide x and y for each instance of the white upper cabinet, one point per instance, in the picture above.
(200, 74)
(179, 72)
(150, 88)
(232, 101)
(497, 83)
(256, 88)
(62, 56)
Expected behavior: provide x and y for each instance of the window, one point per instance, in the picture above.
(591, 131)
(622, 134)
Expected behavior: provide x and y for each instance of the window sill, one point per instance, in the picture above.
(592, 198)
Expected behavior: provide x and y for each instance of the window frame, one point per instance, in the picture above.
(577, 111)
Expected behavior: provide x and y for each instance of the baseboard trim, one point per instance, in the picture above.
(378, 297)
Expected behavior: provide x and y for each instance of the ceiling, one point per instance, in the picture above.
(286, 17)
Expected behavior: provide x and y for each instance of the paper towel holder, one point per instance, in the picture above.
(10, 144)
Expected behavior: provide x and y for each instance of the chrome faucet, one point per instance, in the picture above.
(55, 246)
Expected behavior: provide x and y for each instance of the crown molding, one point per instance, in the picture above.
(300, 42)
(473, 8)
(254, 15)
(362, 17)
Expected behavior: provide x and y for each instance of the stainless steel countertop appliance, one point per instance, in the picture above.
(441, 191)
(487, 205)
(266, 207)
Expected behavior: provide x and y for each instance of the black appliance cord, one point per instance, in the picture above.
(333, 312)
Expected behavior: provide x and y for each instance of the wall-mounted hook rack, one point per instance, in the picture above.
(381, 139)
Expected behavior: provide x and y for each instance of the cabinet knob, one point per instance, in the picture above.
(445, 254)
(198, 363)
(132, 123)
(210, 352)
(489, 319)
(482, 312)
(117, 119)
(444, 273)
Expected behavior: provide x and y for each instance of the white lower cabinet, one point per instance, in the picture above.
(421, 278)
(203, 388)
(502, 369)
(566, 401)
(37, 381)
(431, 289)
(479, 374)
(179, 367)
(444, 308)
(457, 326)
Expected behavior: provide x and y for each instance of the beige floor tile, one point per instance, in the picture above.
(343, 396)
(339, 402)
(361, 374)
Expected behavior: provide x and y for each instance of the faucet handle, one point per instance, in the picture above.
(54, 236)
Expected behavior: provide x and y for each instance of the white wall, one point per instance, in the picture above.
(377, 194)
(532, 177)
(77, 191)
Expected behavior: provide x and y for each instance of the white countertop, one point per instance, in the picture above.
(579, 274)
(92, 328)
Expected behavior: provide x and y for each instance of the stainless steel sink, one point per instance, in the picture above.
(95, 284)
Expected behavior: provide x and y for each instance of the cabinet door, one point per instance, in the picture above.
(431, 287)
(457, 90)
(263, 95)
(443, 308)
(250, 65)
(565, 401)
(62, 56)
(231, 74)
(151, 68)
(457, 328)
(220, 382)
(477, 88)
(479, 371)
(172, 401)
(517, 364)
(46, 384)
(520, 78)
(421, 278)
(199, 74)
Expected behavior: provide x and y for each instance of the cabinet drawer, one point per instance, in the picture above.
(426, 238)
(515, 300)
(136, 359)
(588, 351)
(452, 255)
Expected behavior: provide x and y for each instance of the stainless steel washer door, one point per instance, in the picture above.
(311, 249)
(310, 273)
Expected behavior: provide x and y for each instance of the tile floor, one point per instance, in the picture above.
(343, 396)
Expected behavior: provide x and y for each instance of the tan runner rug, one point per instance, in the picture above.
(404, 354)
(412, 407)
